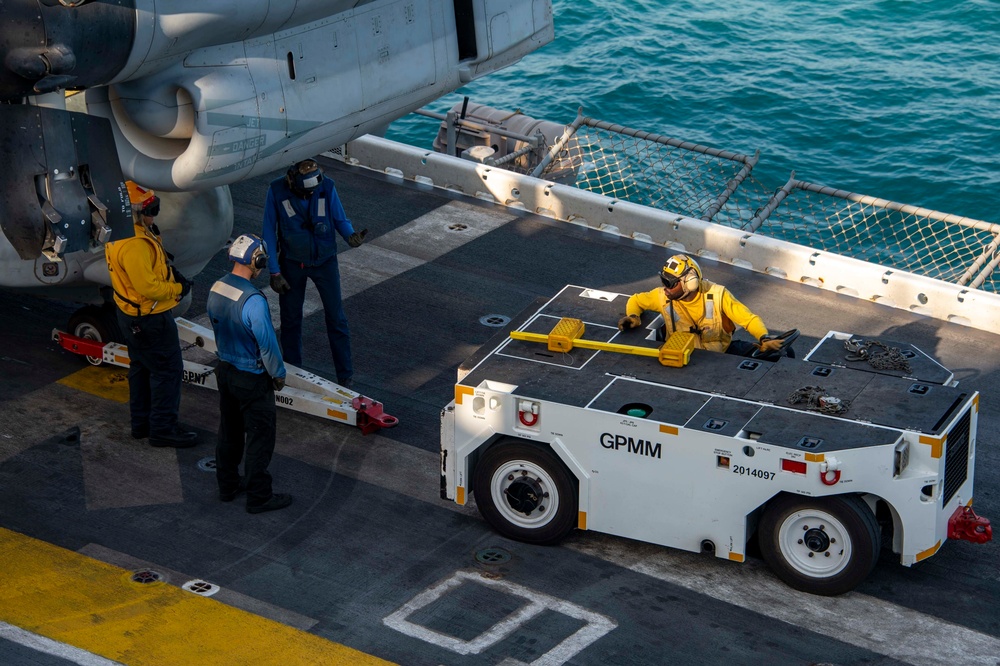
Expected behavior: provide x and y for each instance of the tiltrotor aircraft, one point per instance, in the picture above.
(187, 96)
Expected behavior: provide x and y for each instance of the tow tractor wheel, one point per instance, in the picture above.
(95, 323)
(824, 545)
(526, 493)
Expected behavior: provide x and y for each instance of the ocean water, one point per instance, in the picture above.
(898, 99)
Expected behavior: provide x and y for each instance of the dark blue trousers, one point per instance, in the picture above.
(154, 371)
(246, 428)
(326, 277)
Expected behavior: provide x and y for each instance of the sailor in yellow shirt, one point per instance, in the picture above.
(688, 302)
(146, 289)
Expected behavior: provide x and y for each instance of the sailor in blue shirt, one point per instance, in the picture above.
(249, 371)
(302, 217)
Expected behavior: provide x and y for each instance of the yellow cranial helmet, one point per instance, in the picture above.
(143, 200)
(681, 275)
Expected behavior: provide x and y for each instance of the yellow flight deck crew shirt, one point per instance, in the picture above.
(140, 275)
(712, 314)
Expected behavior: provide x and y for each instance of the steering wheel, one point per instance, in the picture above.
(787, 338)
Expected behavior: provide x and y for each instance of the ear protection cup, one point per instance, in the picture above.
(249, 250)
(691, 282)
(683, 271)
(260, 259)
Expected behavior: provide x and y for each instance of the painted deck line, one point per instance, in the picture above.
(417, 242)
(854, 618)
(54, 648)
(224, 595)
(78, 601)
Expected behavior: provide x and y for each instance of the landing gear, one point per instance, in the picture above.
(526, 493)
(97, 323)
(823, 545)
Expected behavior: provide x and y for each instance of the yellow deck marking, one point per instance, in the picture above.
(108, 382)
(94, 606)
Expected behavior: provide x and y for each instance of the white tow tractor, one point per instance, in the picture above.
(822, 458)
(303, 392)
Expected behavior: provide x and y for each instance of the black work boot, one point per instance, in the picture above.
(177, 438)
(277, 501)
(233, 494)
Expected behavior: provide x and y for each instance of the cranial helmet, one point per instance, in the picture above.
(249, 250)
(304, 177)
(144, 201)
(681, 275)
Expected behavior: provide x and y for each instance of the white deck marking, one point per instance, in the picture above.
(854, 618)
(55, 648)
(416, 243)
(595, 626)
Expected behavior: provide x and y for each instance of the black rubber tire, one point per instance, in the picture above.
(829, 567)
(513, 473)
(99, 323)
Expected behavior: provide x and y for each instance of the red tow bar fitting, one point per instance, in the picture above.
(965, 525)
(82, 346)
(371, 418)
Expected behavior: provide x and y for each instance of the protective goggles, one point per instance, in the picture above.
(669, 281)
(152, 209)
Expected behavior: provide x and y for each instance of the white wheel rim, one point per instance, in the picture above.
(511, 481)
(89, 332)
(814, 543)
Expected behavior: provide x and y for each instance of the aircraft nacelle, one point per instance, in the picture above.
(190, 95)
(209, 98)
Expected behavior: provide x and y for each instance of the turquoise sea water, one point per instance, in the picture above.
(892, 98)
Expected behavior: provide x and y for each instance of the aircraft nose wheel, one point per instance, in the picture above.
(99, 324)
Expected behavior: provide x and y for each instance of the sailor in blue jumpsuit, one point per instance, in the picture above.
(302, 217)
(249, 371)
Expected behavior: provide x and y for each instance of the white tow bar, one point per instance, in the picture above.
(303, 392)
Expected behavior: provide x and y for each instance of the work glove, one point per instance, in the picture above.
(631, 321)
(770, 344)
(183, 282)
(279, 284)
(357, 238)
(278, 383)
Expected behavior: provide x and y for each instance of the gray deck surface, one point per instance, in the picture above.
(368, 531)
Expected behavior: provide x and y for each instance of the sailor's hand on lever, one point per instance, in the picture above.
(630, 321)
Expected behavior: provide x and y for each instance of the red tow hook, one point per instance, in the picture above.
(965, 525)
(371, 418)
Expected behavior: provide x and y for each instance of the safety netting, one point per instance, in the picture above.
(719, 186)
